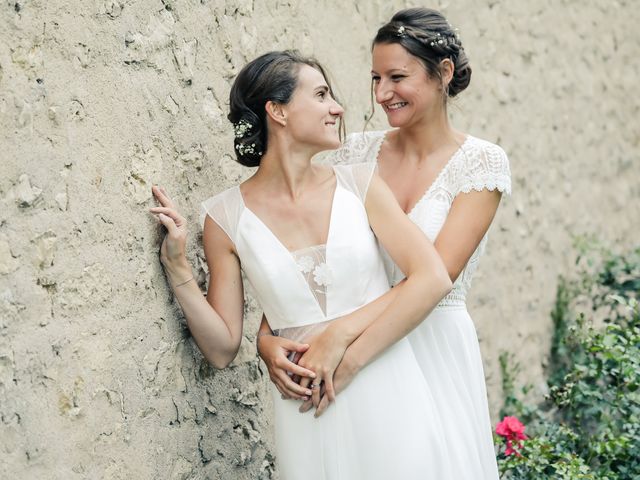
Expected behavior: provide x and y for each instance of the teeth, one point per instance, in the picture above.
(396, 106)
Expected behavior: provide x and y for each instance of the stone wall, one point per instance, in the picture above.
(101, 98)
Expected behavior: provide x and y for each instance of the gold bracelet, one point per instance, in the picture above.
(183, 283)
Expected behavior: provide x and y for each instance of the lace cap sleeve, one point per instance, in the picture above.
(356, 177)
(224, 209)
(357, 148)
(486, 167)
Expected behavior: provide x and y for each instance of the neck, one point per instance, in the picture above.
(428, 135)
(284, 168)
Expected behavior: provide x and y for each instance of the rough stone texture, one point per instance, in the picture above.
(101, 98)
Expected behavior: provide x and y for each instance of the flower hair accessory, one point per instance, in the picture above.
(401, 31)
(246, 148)
(241, 128)
(437, 40)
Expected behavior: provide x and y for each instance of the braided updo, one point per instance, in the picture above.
(427, 35)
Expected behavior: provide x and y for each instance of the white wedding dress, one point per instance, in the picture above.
(383, 425)
(446, 343)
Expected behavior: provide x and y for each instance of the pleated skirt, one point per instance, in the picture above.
(447, 349)
(383, 426)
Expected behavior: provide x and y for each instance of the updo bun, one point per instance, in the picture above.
(270, 77)
(425, 33)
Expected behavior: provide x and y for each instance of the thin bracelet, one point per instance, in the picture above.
(183, 283)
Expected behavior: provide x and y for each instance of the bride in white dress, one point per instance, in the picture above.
(449, 184)
(304, 237)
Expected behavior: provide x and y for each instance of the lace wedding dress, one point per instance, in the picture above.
(383, 425)
(446, 343)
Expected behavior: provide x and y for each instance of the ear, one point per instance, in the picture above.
(276, 112)
(446, 71)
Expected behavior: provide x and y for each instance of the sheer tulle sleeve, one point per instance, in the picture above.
(486, 167)
(224, 209)
(356, 177)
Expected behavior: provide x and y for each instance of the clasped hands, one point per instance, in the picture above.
(318, 371)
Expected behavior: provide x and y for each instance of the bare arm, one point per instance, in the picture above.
(215, 321)
(377, 326)
(426, 282)
(469, 219)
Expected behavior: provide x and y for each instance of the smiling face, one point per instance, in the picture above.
(402, 86)
(313, 115)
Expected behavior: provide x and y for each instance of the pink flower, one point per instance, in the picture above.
(513, 431)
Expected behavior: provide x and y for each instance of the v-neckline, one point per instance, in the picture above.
(275, 237)
(440, 174)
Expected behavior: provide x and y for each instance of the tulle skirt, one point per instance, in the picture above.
(446, 347)
(383, 426)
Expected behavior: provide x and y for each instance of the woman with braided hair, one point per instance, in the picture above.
(449, 183)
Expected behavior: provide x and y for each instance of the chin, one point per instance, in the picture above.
(333, 145)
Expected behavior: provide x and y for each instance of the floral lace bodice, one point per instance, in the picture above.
(476, 165)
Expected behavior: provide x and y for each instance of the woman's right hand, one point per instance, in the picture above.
(174, 244)
(275, 352)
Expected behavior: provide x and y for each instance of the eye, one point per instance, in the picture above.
(375, 78)
(321, 94)
(397, 78)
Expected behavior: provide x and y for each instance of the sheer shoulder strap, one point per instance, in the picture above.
(224, 209)
(357, 148)
(485, 166)
(356, 177)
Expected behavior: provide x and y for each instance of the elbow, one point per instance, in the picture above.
(443, 281)
(446, 284)
(219, 364)
(220, 360)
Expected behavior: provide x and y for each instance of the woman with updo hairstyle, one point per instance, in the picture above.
(449, 183)
(306, 238)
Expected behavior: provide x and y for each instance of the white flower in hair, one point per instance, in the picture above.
(241, 128)
(305, 264)
(322, 274)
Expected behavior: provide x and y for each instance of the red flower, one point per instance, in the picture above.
(513, 431)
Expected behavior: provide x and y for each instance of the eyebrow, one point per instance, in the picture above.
(393, 70)
(321, 87)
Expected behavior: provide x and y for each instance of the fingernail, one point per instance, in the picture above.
(308, 392)
(313, 375)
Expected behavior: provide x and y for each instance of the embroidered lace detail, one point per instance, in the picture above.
(357, 148)
(477, 165)
(312, 263)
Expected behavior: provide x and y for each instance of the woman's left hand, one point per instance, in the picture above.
(344, 374)
(174, 244)
(323, 356)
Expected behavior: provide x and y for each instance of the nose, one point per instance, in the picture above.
(382, 92)
(336, 109)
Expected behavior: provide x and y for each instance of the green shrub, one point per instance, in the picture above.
(588, 426)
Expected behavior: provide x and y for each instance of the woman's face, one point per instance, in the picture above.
(402, 86)
(313, 114)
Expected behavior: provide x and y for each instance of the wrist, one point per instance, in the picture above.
(178, 271)
(339, 334)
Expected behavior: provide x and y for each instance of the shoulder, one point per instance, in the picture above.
(483, 165)
(485, 149)
(356, 177)
(224, 196)
(357, 147)
(223, 208)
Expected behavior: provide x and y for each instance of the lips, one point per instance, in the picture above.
(395, 106)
